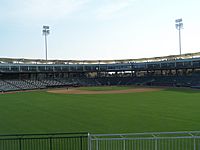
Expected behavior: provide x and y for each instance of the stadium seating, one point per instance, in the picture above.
(5, 86)
(172, 81)
(37, 83)
(20, 84)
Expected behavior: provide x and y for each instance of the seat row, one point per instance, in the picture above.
(28, 84)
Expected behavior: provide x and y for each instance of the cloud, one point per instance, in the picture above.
(112, 8)
(40, 9)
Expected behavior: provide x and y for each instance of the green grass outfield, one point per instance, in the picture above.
(42, 112)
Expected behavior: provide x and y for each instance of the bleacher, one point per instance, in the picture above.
(172, 81)
(5, 86)
(37, 83)
(52, 83)
(20, 84)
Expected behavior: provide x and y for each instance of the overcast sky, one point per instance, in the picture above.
(98, 29)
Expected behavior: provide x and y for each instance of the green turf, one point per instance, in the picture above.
(41, 112)
(105, 88)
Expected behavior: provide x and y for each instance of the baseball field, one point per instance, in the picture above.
(100, 110)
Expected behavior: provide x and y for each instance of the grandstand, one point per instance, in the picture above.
(27, 74)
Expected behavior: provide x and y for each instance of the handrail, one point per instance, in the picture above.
(147, 133)
(43, 134)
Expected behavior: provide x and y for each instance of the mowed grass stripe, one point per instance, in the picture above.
(42, 112)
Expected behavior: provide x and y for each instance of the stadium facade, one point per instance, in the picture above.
(174, 70)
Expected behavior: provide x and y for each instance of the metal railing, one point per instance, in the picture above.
(58, 141)
(85, 141)
(146, 141)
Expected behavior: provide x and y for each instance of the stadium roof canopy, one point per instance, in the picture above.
(153, 59)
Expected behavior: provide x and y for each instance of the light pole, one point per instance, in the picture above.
(179, 26)
(46, 32)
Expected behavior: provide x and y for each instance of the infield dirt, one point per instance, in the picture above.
(78, 91)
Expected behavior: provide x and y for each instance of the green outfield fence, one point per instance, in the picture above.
(187, 140)
(56, 141)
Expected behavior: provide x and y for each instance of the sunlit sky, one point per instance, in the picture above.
(98, 29)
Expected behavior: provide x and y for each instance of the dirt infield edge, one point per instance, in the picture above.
(77, 91)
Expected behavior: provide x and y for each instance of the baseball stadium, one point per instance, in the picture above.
(148, 103)
(99, 75)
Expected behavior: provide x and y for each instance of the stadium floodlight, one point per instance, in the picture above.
(46, 32)
(179, 26)
(178, 20)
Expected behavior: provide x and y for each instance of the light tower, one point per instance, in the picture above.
(46, 32)
(179, 26)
